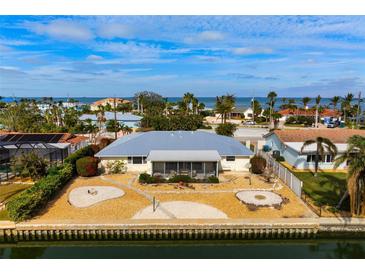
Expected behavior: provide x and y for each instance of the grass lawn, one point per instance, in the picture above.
(4, 215)
(6, 191)
(327, 188)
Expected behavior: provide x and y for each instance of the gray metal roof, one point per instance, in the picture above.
(141, 144)
(183, 155)
(109, 115)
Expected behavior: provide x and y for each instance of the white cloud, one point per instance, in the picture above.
(114, 30)
(94, 57)
(62, 30)
(9, 42)
(205, 36)
(250, 51)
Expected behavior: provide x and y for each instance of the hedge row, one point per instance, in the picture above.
(148, 179)
(29, 202)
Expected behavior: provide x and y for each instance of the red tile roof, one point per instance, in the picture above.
(310, 112)
(339, 136)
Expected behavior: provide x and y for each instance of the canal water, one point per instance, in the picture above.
(333, 248)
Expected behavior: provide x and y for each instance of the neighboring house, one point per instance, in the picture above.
(95, 106)
(43, 107)
(325, 113)
(194, 153)
(52, 146)
(288, 143)
(238, 113)
(127, 119)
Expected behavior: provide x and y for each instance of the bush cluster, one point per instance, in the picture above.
(29, 202)
(148, 179)
(83, 152)
(258, 164)
(300, 120)
(87, 166)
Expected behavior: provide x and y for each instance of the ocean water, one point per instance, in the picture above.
(208, 101)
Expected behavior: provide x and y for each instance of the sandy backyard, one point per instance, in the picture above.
(206, 200)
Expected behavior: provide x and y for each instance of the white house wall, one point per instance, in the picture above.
(294, 158)
(240, 164)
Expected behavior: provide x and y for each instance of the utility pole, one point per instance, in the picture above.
(358, 110)
(115, 119)
(253, 108)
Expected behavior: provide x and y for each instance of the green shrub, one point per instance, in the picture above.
(213, 180)
(180, 178)
(258, 164)
(116, 167)
(87, 166)
(148, 179)
(83, 152)
(29, 202)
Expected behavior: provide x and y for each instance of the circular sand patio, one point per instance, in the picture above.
(180, 210)
(87, 196)
(259, 197)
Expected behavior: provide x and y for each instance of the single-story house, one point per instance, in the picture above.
(95, 106)
(167, 153)
(288, 143)
(52, 146)
(325, 113)
(127, 119)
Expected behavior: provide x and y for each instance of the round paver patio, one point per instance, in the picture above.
(180, 210)
(90, 195)
(259, 197)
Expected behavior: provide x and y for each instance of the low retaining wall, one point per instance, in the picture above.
(161, 231)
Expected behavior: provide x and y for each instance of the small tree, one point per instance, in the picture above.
(30, 165)
(258, 164)
(227, 129)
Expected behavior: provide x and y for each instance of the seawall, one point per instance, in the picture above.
(182, 230)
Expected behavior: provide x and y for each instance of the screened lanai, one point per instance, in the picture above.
(195, 163)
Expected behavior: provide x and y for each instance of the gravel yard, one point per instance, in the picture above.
(137, 198)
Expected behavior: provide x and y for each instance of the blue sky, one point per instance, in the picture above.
(207, 55)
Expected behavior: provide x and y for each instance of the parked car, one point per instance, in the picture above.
(249, 123)
(332, 125)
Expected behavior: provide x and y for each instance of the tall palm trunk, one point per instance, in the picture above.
(316, 162)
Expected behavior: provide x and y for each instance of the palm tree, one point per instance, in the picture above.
(334, 101)
(323, 145)
(272, 99)
(187, 100)
(194, 105)
(305, 101)
(224, 105)
(318, 103)
(346, 104)
(355, 157)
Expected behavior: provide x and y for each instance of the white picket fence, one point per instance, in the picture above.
(283, 173)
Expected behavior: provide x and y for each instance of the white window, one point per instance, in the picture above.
(137, 160)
